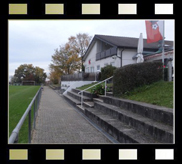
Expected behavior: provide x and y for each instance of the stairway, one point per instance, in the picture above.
(75, 99)
(126, 120)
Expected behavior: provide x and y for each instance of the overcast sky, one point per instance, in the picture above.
(34, 41)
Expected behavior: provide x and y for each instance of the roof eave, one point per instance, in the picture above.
(93, 41)
(88, 49)
(97, 37)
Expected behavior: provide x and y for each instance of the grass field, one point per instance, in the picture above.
(19, 99)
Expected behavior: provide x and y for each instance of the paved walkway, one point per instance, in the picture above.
(58, 122)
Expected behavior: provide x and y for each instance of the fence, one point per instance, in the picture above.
(83, 76)
(35, 102)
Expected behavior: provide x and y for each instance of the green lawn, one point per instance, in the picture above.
(89, 85)
(159, 93)
(19, 99)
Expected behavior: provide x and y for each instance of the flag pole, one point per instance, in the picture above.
(163, 45)
(163, 50)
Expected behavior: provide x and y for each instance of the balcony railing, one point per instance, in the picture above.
(106, 53)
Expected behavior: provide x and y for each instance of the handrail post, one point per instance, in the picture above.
(82, 99)
(38, 101)
(93, 86)
(34, 115)
(105, 87)
(36, 106)
(29, 127)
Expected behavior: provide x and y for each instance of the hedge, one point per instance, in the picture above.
(131, 76)
(107, 72)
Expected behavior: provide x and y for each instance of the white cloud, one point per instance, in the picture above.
(34, 41)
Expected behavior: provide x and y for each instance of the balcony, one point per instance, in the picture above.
(107, 53)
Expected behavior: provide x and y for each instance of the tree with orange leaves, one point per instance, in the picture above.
(68, 58)
(79, 44)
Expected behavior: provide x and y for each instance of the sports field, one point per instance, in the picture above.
(19, 99)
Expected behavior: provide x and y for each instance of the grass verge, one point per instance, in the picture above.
(159, 93)
(89, 85)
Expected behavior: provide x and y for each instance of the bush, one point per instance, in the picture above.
(98, 76)
(131, 76)
(165, 74)
(85, 75)
(107, 72)
(100, 89)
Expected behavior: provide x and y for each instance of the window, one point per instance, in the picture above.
(98, 67)
(87, 69)
(112, 63)
(91, 69)
(105, 64)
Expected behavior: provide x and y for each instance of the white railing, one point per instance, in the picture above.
(92, 87)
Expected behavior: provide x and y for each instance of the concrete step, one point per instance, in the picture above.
(72, 100)
(161, 132)
(126, 120)
(78, 96)
(89, 104)
(109, 93)
(120, 131)
(85, 93)
(80, 108)
(76, 90)
(75, 103)
(97, 99)
(158, 113)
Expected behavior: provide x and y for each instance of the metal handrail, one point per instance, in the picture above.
(92, 87)
(14, 135)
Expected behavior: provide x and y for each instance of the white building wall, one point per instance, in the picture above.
(108, 61)
(127, 56)
(100, 63)
(68, 85)
(92, 58)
